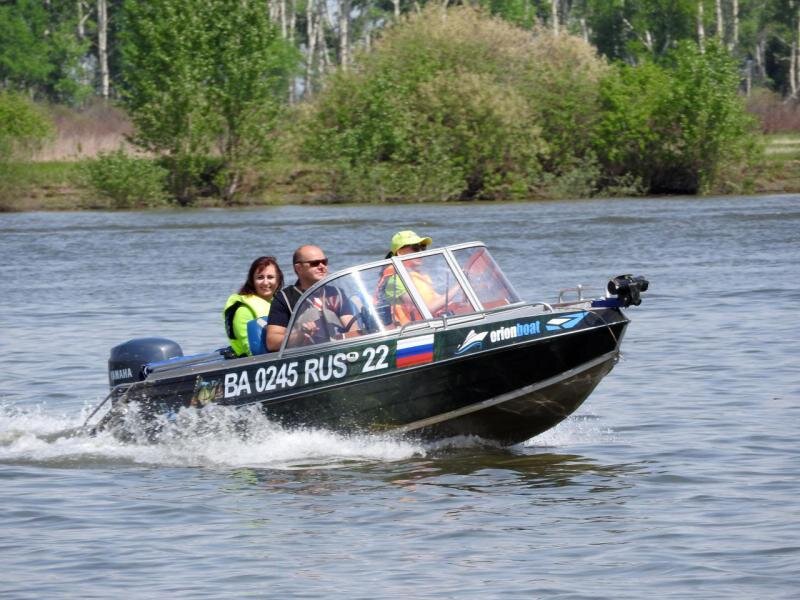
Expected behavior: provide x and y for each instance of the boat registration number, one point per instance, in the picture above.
(318, 369)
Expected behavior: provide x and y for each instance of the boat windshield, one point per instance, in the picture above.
(485, 277)
(342, 308)
(407, 289)
(435, 285)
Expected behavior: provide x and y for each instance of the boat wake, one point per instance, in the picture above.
(222, 438)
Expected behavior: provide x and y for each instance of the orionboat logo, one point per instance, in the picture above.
(473, 341)
(515, 331)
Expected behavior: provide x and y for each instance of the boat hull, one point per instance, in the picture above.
(507, 396)
(506, 389)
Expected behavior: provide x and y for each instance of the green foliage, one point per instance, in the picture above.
(129, 182)
(23, 126)
(40, 52)
(204, 78)
(680, 128)
(563, 85)
(454, 104)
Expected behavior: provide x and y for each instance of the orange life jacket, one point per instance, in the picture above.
(402, 311)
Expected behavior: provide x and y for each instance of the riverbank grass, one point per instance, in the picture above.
(63, 185)
(779, 170)
(782, 146)
(46, 185)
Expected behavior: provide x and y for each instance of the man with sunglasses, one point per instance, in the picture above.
(310, 265)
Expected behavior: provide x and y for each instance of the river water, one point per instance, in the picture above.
(679, 477)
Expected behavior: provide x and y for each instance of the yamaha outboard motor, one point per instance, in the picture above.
(127, 361)
(628, 289)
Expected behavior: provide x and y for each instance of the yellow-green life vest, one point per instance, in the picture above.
(239, 310)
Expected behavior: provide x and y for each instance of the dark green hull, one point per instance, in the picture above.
(527, 371)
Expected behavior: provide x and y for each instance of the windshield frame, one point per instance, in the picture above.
(397, 262)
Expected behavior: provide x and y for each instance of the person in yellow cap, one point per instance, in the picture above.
(408, 241)
(391, 289)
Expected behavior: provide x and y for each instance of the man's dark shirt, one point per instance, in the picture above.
(280, 312)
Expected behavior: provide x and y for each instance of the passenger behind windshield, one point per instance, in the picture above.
(329, 308)
(392, 291)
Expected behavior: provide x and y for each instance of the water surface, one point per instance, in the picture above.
(677, 478)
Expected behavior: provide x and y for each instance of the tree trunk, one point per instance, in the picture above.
(720, 20)
(324, 17)
(701, 31)
(83, 16)
(344, 33)
(311, 50)
(794, 69)
(292, 26)
(734, 43)
(760, 56)
(292, 21)
(102, 46)
(797, 54)
(554, 15)
(274, 10)
(396, 4)
(748, 81)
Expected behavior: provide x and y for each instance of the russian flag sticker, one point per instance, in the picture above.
(414, 351)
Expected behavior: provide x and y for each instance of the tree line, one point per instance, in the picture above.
(71, 50)
(514, 99)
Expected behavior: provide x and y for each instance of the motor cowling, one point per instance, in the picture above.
(127, 361)
(628, 289)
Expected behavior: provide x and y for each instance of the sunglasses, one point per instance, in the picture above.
(417, 247)
(314, 263)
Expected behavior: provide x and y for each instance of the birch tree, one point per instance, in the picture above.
(554, 15)
(701, 31)
(344, 33)
(102, 47)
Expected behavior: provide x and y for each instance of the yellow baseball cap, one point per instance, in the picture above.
(408, 238)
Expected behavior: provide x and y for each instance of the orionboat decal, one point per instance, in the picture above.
(507, 333)
(414, 351)
(515, 331)
(473, 341)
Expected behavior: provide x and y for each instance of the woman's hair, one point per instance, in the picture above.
(258, 264)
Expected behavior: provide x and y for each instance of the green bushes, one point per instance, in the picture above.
(127, 181)
(24, 126)
(452, 104)
(437, 111)
(680, 127)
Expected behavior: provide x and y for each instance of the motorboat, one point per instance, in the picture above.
(433, 345)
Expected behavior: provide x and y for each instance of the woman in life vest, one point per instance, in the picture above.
(245, 313)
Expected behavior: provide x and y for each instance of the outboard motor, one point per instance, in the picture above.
(127, 361)
(628, 289)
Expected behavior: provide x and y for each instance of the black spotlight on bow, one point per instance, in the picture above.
(628, 289)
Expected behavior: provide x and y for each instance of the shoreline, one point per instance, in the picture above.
(59, 186)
